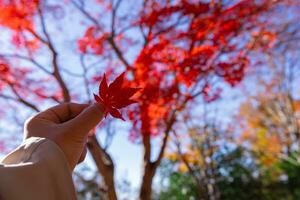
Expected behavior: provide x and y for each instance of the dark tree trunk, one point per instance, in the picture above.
(146, 188)
(105, 166)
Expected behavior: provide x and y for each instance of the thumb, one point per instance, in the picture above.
(84, 122)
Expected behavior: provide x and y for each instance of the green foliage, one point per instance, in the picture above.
(174, 185)
(292, 172)
(244, 180)
(181, 187)
(238, 178)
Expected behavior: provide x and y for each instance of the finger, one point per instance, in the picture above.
(86, 120)
(62, 113)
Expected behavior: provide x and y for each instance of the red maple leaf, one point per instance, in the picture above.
(115, 96)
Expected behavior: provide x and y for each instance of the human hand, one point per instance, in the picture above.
(68, 126)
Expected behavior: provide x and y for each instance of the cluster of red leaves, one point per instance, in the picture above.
(4, 72)
(20, 41)
(115, 96)
(263, 39)
(157, 11)
(3, 69)
(186, 42)
(234, 71)
(92, 41)
(210, 31)
(180, 53)
(18, 16)
(208, 95)
(25, 83)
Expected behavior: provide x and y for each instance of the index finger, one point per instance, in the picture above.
(62, 112)
(86, 120)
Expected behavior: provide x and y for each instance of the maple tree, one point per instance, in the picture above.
(174, 50)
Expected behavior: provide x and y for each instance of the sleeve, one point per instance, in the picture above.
(36, 170)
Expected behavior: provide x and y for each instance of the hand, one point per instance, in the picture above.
(68, 126)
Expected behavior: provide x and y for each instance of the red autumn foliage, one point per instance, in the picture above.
(92, 42)
(4, 71)
(186, 42)
(18, 16)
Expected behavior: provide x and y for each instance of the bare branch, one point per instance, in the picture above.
(119, 53)
(56, 71)
(66, 71)
(84, 12)
(44, 69)
(110, 133)
(19, 99)
(85, 78)
(165, 139)
(113, 17)
(104, 164)
(37, 36)
(111, 38)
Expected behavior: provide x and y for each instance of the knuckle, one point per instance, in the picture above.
(29, 123)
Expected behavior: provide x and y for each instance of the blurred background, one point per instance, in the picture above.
(218, 116)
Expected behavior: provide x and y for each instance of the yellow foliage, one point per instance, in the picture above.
(171, 156)
(268, 123)
(182, 168)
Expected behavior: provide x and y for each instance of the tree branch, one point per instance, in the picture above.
(44, 69)
(111, 38)
(147, 147)
(119, 53)
(85, 79)
(104, 164)
(56, 72)
(165, 139)
(20, 99)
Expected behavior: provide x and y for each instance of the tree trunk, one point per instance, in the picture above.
(105, 166)
(149, 169)
(146, 188)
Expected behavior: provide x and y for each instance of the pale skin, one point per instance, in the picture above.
(68, 125)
